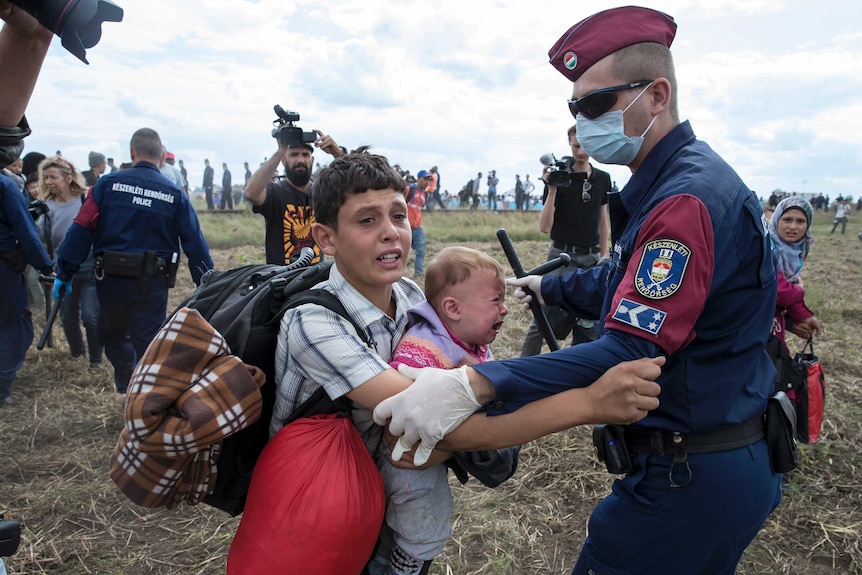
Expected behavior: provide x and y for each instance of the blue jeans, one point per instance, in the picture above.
(82, 305)
(418, 244)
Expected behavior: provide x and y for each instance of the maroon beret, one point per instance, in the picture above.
(604, 33)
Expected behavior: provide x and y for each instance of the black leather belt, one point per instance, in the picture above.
(576, 250)
(665, 442)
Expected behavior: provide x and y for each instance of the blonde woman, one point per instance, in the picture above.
(62, 189)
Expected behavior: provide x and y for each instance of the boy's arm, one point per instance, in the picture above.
(623, 394)
(378, 388)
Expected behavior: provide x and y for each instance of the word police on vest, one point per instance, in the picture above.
(143, 196)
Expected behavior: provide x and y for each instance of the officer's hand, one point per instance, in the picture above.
(327, 144)
(532, 283)
(626, 392)
(438, 401)
(61, 287)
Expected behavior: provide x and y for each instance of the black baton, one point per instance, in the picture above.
(46, 290)
(49, 322)
(538, 313)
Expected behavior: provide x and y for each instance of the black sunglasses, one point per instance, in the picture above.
(597, 103)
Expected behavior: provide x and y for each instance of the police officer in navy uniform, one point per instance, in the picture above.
(691, 278)
(19, 245)
(135, 221)
(23, 46)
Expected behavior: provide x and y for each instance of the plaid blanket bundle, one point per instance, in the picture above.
(186, 395)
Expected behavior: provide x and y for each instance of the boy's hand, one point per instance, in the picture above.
(532, 283)
(437, 402)
(438, 456)
(626, 392)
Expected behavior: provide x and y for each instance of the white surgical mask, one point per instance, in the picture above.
(605, 140)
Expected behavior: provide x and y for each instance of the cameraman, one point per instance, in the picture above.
(577, 218)
(285, 203)
(23, 45)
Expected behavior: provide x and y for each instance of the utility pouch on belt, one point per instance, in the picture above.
(780, 426)
(609, 441)
(123, 264)
(15, 259)
(143, 265)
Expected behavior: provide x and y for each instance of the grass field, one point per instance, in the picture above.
(56, 440)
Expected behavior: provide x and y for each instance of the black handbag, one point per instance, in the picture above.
(789, 374)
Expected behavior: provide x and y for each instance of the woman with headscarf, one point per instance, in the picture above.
(63, 190)
(790, 232)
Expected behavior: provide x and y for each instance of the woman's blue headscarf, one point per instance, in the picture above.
(789, 257)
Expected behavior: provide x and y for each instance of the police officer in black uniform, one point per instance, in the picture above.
(135, 221)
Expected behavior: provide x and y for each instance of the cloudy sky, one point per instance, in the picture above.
(775, 86)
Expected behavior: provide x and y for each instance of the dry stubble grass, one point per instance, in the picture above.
(56, 441)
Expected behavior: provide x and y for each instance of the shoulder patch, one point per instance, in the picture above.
(639, 315)
(662, 268)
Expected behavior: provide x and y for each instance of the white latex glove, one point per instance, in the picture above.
(533, 283)
(438, 401)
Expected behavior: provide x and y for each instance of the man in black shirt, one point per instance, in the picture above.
(577, 218)
(285, 203)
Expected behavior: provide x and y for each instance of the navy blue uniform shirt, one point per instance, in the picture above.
(17, 227)
(135, 210)
(692, 278)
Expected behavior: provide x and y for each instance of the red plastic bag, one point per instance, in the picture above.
(811, 396)
(315, 504)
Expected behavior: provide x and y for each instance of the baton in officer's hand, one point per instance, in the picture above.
(538, 313)
(49, 322)
(47, 283)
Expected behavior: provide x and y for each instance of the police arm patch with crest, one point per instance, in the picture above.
(641, 316)
(661, 269)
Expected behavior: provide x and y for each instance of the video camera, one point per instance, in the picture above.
(78, 23)
(37, 209)
(561, 173)
(286, 132)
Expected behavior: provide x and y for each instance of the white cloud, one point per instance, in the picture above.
(770, 84)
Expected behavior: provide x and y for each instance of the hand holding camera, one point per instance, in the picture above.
(559, 173)
(286, 132)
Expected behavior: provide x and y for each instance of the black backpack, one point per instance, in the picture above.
(246, 305)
